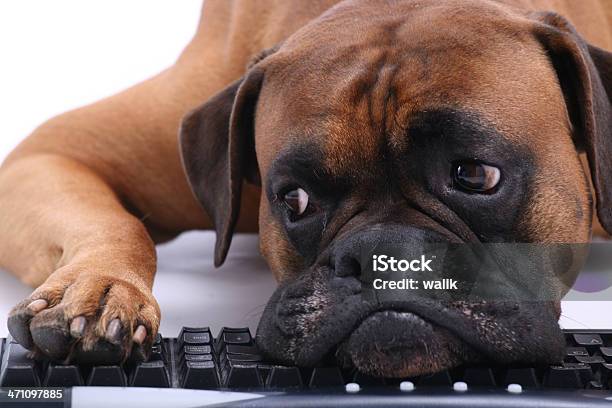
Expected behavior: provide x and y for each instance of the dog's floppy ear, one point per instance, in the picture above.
(585, 76)
(217, 147)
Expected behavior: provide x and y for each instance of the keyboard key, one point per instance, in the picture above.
(605, 371)
(198, 357)
(240, 353)
(591, 360)
(576, 351)
(242, 375)
(229, 335)
(526, 377)
(200, 375)
(197, 350)
(243, 357)
(606, 353)
(326, 377)
(150, 374)
(107, 376)
(284, 377)
(196, 353)
(479, 376)
(196, 338)
(264, 370)
(194, 335)
(568, 375)
(592, 341)
(237, 337)
(63, 376)
(240, 349)
(20, 371)
(234, 352)
(157, 353)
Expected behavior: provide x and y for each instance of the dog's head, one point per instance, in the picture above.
(413, 123)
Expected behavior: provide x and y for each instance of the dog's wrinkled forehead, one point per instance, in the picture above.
(351, 82)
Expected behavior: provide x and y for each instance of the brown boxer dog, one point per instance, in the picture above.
(362, 121)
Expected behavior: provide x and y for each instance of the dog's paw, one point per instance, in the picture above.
(86, 317)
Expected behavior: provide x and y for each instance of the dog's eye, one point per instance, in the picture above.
(298, 202)
(475, 177)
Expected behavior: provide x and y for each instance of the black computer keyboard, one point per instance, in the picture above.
(231, 361)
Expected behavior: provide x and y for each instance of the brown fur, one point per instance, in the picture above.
(84, 198)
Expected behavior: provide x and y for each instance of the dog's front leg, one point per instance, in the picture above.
(66, 190)
(63, 228)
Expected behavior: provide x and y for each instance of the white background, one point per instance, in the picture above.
(56, 55)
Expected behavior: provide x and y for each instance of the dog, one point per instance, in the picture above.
(323, 125)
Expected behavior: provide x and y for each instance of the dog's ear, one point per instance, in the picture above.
(585, 76)
(217, 147)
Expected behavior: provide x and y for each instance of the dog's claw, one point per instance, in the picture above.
(38, 305)
(140, 335)
(113, 332)
(77, 327)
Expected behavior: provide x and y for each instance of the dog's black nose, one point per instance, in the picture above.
(398, 264)
(385, 246)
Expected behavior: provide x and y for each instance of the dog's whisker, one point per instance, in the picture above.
(586, 326)
(254, 311)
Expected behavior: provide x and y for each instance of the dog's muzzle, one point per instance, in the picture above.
(334, 311)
